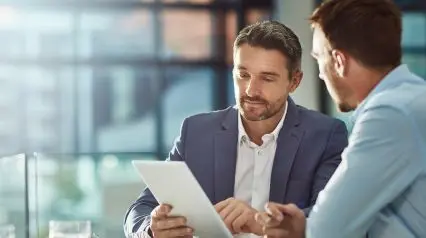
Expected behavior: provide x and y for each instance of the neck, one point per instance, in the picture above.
(371, 78)
(256, 129)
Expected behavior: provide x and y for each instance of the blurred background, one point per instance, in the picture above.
(92, 84)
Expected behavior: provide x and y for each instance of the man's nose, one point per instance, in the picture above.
(253, 88)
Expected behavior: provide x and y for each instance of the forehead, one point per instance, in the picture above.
(319, 42)
(253, 58)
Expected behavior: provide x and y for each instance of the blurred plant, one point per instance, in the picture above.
(68, 194)
(66, 185)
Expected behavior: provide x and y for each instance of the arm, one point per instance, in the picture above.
(331, 158)
(137, 218)
(381, 161)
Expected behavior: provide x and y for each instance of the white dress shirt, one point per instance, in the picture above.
(254, 167)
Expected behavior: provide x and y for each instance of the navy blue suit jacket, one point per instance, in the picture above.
(308, 151)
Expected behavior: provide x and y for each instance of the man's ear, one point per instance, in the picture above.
(296, 78)
(340, 62)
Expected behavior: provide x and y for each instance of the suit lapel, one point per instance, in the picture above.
(225, 156)
(287, 144)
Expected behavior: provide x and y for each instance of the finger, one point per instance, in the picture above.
(221, 205)
(228, 215)
(169, 223)
(230, 218)
(262, 218)
(273, 223)
(161, 211)
(276, 232)
(240, 221)
(266, 220)
(233, 214)
(227, 210)
(273, 209)
(291, 210)
(175, 232)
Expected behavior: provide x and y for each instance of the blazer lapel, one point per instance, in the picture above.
(287, 144)
(225, 156)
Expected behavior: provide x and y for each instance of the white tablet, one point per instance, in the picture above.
(173, 183)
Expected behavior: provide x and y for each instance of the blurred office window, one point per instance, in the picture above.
(187, 34)
(231, 29)
(188, 1)
(123, 34)
(414, 30)
(414, 41)
(416, 62)
(254, 15)
(131, 1)
(93, 76)
(124, 105)
(231, 93)
(197, 82)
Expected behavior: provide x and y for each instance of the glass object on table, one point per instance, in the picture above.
(70, 229)
(7, 231)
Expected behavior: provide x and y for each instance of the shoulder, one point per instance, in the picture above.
(401, 98)
(210, 120)
(210, 117)
(317, 120)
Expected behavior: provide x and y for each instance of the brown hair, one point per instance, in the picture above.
(273, 35)
(369, 30)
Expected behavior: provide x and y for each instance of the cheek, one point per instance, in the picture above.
(238, 87)
(330, 72)
(276, 92)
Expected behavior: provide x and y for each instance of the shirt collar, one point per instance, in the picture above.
(242, 134)
(389, 81)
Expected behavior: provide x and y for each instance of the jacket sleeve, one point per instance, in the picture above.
(331, 158)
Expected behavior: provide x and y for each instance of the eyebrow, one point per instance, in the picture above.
(270, 74)
(241, 67)
(267, 73)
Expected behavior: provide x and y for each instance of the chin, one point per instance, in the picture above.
(251, 116)
(345, 107)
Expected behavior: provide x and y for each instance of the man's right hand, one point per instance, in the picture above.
(165, 226)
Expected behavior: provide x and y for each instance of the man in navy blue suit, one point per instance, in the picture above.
(265, 149)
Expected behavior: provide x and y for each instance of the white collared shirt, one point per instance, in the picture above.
(254, 167)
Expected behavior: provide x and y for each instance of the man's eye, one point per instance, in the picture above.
(244, 75)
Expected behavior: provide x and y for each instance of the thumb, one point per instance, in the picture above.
(291, 210)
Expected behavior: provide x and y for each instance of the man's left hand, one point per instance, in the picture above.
(238, 216)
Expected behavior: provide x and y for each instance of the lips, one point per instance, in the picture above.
(253, 102)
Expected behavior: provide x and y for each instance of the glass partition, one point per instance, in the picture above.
(43, 188)
(86, 187)
(13, 194)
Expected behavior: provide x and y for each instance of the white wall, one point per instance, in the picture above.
(295, 14)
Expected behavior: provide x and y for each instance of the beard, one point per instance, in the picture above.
(337, 90)
(259, 109)
(345, 107)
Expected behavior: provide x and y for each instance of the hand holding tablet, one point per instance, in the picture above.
(173, 183)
